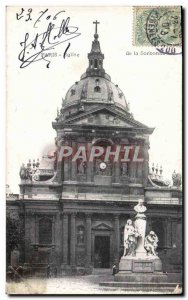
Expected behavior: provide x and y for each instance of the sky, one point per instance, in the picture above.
(152, 84)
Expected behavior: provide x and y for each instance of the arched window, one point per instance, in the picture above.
(45, 231)
(95, 63)
(80, 235)
(73, 92)
(97, 89)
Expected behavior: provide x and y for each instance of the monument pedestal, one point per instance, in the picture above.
(140, 266)
(134, 269)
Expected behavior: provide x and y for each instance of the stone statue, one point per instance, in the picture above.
(24, 173)
(130, 239)
(176, 178)
(84, 92)
(151, 243)
(15, 257)
(140, 261)
(81, 168)
(140, 209)
(36, 175)
(80, 236)
(29, 164)
(124, 169)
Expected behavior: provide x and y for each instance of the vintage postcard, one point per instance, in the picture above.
(94, 150)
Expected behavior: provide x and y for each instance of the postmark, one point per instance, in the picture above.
(157, 26)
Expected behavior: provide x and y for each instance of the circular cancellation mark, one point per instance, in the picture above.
(163, 30)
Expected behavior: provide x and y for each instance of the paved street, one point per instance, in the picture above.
(66, 285)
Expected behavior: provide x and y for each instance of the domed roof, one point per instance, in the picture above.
(95, 85)
(95, 89)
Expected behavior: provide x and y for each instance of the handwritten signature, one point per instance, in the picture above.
(33, 49)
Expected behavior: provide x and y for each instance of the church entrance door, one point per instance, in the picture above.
(102, 252)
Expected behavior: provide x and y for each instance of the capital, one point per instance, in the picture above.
(116, 216)
(88, 215)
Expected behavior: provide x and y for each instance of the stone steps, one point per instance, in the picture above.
(142, 286)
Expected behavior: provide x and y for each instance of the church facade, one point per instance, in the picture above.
(73, 215)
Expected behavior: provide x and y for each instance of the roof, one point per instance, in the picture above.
(95, 89)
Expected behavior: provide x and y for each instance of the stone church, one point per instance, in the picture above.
(73, 215)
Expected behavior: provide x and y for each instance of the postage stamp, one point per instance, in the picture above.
(157, 26)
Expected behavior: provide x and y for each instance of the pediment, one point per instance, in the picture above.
(102, 226)
(103, 119)
(105, 116)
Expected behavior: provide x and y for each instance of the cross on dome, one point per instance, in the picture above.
(96, 23)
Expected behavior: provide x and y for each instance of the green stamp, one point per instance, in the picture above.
(157, 26)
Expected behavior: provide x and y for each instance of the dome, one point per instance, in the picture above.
(95, 89)
(95, 84)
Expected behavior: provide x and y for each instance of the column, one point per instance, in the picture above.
(145, 162)
(168, 233)
(36, 230)
(53, 230)
(65, 238)
(139, 172)
(179, 233)
(88, 240)
(132, 171)
(66, 169)
(116, 238)
(59, 171)
(66, 165)
(74, 164)
(74, 170)
(73, 240)
(140, 165)
(174, 232)
(116, 172)
(89, 169)
(27, 237)
(59, 164)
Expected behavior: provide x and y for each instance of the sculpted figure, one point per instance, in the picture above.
(176, 178)
(81, 168)
(124, 169)
(151, 243)
(130, 239)
(140, 208)
(24, 174)
(80, 236)
(36, 175)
